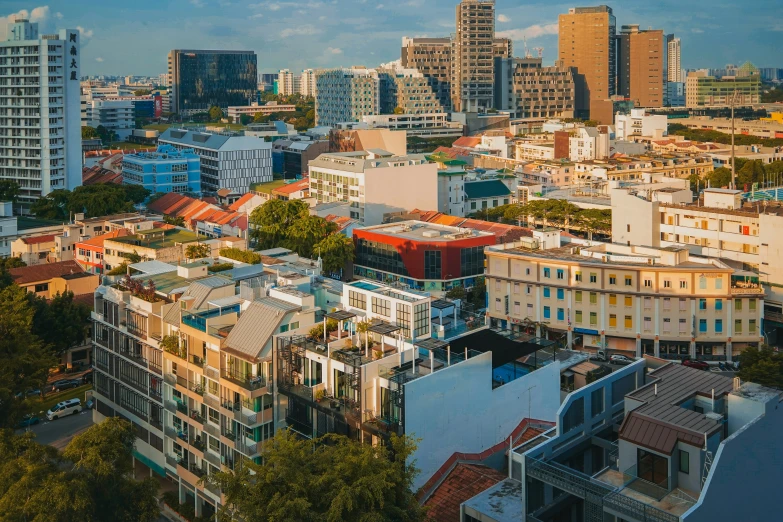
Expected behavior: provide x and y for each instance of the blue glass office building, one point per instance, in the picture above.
(165, 170)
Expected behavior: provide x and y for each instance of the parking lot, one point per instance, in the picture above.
(59, 433)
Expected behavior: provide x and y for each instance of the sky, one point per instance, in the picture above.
(133, 38)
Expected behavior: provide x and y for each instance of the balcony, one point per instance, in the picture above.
(170, 378)
(248, 450)
(212, 373)
(198, 321)
(247, 381)
(212, 458)
(211, 401)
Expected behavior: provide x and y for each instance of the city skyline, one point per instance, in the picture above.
(342, 33)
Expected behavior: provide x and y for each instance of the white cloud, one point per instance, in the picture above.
(334, 50)
(503, 19)
(534, 31)
(379, 6)
(58, 15)
(257, 15)
(84, 34)
(697, 30)
(38, 14)
(197, 3)
(99, 59)
(302, 30)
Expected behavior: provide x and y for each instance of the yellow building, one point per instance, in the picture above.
(627, 299)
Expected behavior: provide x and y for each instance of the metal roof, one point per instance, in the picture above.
(257, 324)
(200, 290)
(383, 328)
(486, 189)
(441, 304)
(153, 267)
(340, 315)
(431, 343)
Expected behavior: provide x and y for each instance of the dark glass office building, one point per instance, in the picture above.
(203, 79)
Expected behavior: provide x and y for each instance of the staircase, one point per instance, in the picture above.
(707, 466)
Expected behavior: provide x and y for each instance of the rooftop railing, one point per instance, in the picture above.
(198, 320)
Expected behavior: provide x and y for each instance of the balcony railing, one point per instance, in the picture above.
(247, 381)
(170, 406)
(170, 432)
(173, 460)
(212, 373)
(199, 320)
(211, 401)
(212, 429)
(645, 485)
(212, 458)
(170, 378)
(247, 449)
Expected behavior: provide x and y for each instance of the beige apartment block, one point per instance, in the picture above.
(473, 71)
(626, 299)
(640, 66)
(587, 41)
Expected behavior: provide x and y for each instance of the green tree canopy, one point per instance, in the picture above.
(762, 365)
(215, 113)
(330, 479)
(90, 481)
(89, 133)
(197, 251)
(135, 193)
(720, 177)
(335, 250)
(751, 172)
(9, 190)
(93, 200)
(61, 322)
(244, 256)
(270, 222)
(141, 92)
(54, 205)
(177, 221)
(304, 233)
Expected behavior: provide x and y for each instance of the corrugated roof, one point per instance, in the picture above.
(98, 240)
(200, 290)
(486, 189)
(257, 324)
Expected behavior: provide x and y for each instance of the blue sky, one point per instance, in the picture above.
(134, 37)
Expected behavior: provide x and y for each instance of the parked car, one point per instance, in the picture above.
(600, 355)
(28, 393)
(65, 384)
(28, 420)
(61, 409)
(620, 359)
(699, 365)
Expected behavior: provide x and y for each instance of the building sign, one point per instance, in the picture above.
(158, 110)
(73, 53)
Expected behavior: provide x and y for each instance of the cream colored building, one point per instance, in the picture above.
(627, 299)
(720, 226)
(375, 183)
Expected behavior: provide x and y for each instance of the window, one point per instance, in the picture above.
(560, 274)
(593, 277)
(752, 305)
(472, 261)
(628, 281)
(667, 283)
(560, 314)
(752, 326)
(421, 319)
(718, 325)
(498, 308)
(648, 283)
(404, 319)
(683, 326)
(597, 402)
(702, 283)
(547, 312)
(667, 325)
(432, 264)
(648, 324)
(575, 415)
(612, 279)
(560, 294)
(578, 296)
(578, 316)
(685, 462)
(628, 301)
(593, 298)
(516, 308)
(612, 299)
(529, 289)
(612, 320)
(516, 288)
(42, 287)
(497, 285)
(667, 304)
(578, 276)
(530, 310)
(357, 300)
(593, 318)
(702, 325)
(738, 305)
(547, 292)
(547, 272)
(719, 283)
(737, 326)
(628, 322)
(683, 283)
(702, 304)
(719, 304)
(683, 304)
(647, 303)
(380, 306)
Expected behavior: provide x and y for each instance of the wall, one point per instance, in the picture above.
(642, 216)
(456, 410)
(744, 480)
(394, 189)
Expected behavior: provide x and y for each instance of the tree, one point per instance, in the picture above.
(141, 92)
(335, 251)
(9, 190)
(215, 113)
(477, 294)
(54, 205)
(305, 232)
(331, 479)
(89, 133)
(317, 331)
(25, 358)
(456, 292)
(135, 193)
(270, 222)
(61, 323)
(399, 110)
(720, 177)
(101, 200)
(197, 251)
(132, 257)
(244, 119)
(177, 221)
(243, 256)
(762, 365)
(90, 481)
(751, 172)
(120, 269)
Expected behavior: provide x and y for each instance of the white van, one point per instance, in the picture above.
(61, 409)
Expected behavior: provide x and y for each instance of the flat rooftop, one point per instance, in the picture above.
(159, 238)
(425, 232)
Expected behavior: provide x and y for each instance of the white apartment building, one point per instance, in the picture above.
(426, 125)
(632, 300)
(591, 143)
(639, 123)
(307, 83)
(40, 128)
(115, 115)
(235, 113)
(287, 83)
(674, 60)
(719, 226)
(534, 150)
(346, 95)
(227, 162)
(374, 182)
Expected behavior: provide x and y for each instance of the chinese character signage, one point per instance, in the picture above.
(73, 56)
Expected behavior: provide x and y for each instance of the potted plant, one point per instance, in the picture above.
(319, 395)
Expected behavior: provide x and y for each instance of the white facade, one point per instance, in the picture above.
(115, 115)
(451, 192)
(40, 127)
(307, 83)
(428, 125)
(374, 183)
(590, 143)
(674, 61)
(534, 150)
(638, 123)
(285, 83)
(227, 162)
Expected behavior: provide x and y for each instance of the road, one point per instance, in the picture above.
(60, 432)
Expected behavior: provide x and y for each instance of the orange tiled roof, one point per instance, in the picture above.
(30, 274)
(464, 482)
(293, 187)
(98, 240)
(467, 141)
(236, 205)
(37, 240)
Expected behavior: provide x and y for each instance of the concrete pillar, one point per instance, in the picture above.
(728, 351)
(693, 349)
(569, 338)
(639, 346)
(339, 330)
(657, 347)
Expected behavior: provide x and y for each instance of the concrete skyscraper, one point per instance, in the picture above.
(587, 41)
(641, 74)
(473, 70)
(40, 130)
(673, 61)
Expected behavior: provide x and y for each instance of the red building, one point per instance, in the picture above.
(425, 256)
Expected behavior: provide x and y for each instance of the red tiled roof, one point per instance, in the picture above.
(163, 203)
(36, 240)
(342, 222)
(293, 187)
(504, 233)
(467, 141)
(31, 274)
(452, 152)
(98, 240)
(236, 205)
(464, 482)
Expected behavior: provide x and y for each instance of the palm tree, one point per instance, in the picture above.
(363, 327)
